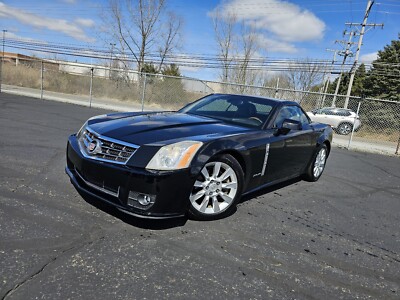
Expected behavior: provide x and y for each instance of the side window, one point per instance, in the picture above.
(292, 113)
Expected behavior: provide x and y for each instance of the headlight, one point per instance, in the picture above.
(174, 156)
(80, 131)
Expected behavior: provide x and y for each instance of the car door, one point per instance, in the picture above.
(295, 148)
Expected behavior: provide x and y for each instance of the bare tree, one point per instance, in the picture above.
(224, 34)
(245, 72)
(236, 51)
(303, 75)
(142, 28)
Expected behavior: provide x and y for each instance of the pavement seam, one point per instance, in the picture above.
(52, 260)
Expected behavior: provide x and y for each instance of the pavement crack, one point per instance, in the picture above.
(51, 261)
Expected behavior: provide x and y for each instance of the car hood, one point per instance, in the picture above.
(155, 128)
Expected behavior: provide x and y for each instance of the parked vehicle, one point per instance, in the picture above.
(197, 161)
(342, 120)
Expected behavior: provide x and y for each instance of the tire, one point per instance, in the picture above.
(317, 165)
(345, 128)
(217, 189)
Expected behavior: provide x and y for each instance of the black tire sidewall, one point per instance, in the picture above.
(309, 176)
(234, 164)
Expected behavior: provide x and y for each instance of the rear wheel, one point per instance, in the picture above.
(345, 128)
(217, 189)
(317, 166)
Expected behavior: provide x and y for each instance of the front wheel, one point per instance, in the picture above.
(217, 189)
(345, 128)
(317, 166)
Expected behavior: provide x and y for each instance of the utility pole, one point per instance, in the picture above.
(326, 82)
(346, 53)
(111, 57)
(361, 34)
(2, 60)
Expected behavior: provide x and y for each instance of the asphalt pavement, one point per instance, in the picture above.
(338, 238)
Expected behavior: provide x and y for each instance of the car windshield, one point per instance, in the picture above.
(242, 110)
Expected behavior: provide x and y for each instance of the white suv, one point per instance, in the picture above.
(341, 119)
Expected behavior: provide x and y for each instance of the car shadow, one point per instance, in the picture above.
(269, 189)
(154, 224)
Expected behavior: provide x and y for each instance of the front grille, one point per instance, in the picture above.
(103, 148)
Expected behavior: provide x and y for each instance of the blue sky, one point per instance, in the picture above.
(286, 29)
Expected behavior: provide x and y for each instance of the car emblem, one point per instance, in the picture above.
(94, 147)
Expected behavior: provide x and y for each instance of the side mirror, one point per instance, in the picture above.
(288, 125)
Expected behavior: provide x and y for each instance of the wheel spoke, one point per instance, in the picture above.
(198, 184)
(225, 197)
(229, 185)
(215, 204)
(204, 171)
(216, 170)
(226, 174)
(204, 204)
(197, 196)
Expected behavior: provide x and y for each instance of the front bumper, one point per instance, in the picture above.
(112, 183)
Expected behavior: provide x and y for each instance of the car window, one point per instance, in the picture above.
(218, 105)
(244, 110)
(291, 112)
(326, 111)
(343, 113)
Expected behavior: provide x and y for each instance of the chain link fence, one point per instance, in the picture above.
(119, 89)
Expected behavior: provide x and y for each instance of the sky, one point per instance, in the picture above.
(291, 29)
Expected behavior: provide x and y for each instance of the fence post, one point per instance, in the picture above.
(144, 91)
(352, 130)
(41, 79)
(277, 87)
(91, 87)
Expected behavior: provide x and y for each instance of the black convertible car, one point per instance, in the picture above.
(197, 161)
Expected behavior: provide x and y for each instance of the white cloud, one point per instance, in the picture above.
(69, 28)
(70, 1)
(84, 22)
(369, 58)
(275, 45)
(282, 21)
(11, 35)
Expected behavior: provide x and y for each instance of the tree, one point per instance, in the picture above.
(237, 46)
(171, 70)
(383, 80)
(149, 68)
(303, 75)
(142, 28)
(224, 35)
(358, 84)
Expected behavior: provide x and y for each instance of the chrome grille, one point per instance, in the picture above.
(105, 149)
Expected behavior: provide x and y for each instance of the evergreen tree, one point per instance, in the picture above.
(358, 84)
(171, 70)
(383, 80)
(149, 68)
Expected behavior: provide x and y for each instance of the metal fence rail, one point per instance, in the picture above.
(120, 89)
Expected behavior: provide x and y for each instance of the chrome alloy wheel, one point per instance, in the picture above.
(319, 163)
(345, 128)
(215, 189)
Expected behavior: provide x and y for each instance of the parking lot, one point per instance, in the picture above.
(338, 238)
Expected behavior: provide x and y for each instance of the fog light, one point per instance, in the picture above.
(140, 200)
(144, 199)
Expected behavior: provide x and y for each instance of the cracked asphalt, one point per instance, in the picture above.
(338, 238)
